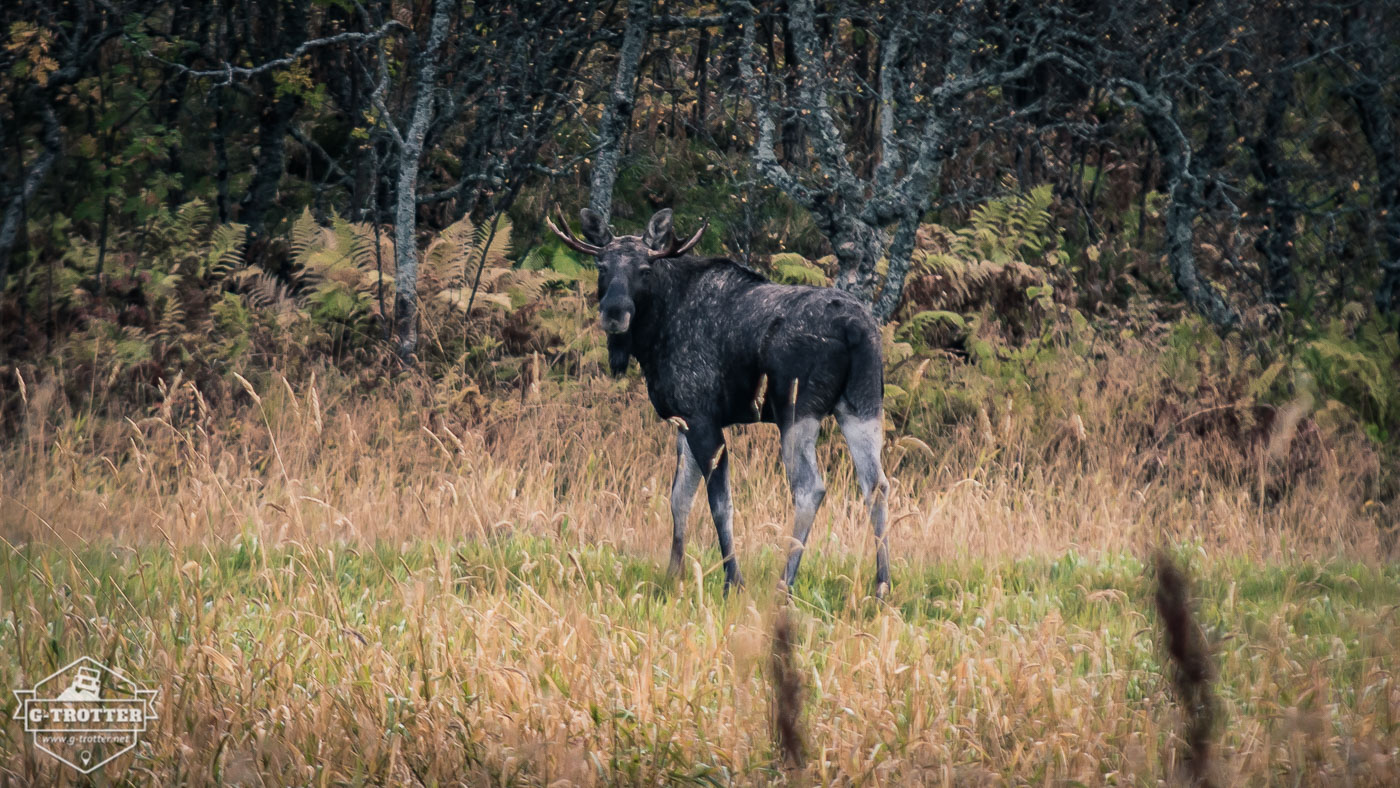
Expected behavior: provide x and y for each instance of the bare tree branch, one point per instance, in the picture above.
(1184, 186)
(672, 22)
(230, 72)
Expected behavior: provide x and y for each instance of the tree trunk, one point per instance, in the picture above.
(273, 125)
(617, 114)
(1379, 128)
(221, 165)
(702, 89)
(13, 222)
(794, 145)
(406, 191)
(1275, 243)
(1180, 235)
(901, 254)
(1184, 187)
(858, 248)
(272, 154)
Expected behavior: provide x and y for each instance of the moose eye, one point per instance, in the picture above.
(644, 271)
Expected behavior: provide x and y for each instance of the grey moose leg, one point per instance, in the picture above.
(805, 479)
(707, 447)
(683, 489)
(864, 437)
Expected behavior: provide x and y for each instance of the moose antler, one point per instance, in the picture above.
(567, 236)
(676, 250)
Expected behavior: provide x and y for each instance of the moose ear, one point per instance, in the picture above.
(659, 234)
(595, 230)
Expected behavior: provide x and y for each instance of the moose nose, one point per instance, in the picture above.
(616, 317)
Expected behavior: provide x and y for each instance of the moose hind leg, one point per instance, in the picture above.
(800, 460)
(864, 437)
(707, 448)
(683, 489)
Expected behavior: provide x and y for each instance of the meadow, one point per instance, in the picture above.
(306, 421)
(430, 585)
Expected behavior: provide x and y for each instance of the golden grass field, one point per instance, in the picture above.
(424, 586)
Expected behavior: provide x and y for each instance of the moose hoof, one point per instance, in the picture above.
(882, 590)
(735, 583)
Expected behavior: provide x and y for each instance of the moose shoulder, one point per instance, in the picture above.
(719, 344)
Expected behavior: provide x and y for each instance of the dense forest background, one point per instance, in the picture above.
(192, 188)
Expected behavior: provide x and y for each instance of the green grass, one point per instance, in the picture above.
(294, 625)
(1237, 597)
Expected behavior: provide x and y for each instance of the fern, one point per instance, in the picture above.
(132, 346)
(498, 248)
(307, 237)
(334, 271)
(1005, 262)
(930, 318)
(172, 317)
(922, 326)
(1359, 371)
(451, 263)
(452, 258)
(794, 269)
(895, 350)
(225, 253)
(261, 289)
(177, 231)
(446, 259)
(459, 297)
(368, 249)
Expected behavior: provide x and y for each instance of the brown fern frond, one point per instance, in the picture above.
(261, 289)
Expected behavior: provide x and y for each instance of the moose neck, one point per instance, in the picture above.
(670, 282)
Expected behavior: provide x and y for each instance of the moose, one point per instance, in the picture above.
(720, 345)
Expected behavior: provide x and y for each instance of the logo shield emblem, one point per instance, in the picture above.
(85, 714)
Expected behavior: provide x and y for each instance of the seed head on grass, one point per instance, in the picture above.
(760, 395)
(1193, 668)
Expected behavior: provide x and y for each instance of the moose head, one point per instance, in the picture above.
(624, 261)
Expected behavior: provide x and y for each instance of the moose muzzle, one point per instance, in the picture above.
(615, 309)
(616, 317)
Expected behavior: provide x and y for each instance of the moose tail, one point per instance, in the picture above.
(864, 396)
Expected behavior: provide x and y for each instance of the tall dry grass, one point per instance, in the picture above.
(320, 460)
(425, 585)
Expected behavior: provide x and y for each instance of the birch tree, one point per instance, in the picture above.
(409, 142)
(617, 109)
(621, 98)
(494, 84)
(926, 100)
(1186, 184)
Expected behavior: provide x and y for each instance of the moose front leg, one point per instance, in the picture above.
(707, 447)
(683, 489)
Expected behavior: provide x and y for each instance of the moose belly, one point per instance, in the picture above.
(733, 397)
